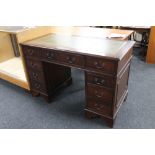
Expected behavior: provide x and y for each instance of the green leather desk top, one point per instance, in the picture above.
(83, 45)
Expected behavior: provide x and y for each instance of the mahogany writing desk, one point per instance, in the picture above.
(106, 64)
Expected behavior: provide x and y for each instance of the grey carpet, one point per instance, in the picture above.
(18, 109)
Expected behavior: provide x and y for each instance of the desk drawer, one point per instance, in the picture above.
(101, 80)
(99, 93)
(33, 64)
(101, 65)
(36, 75)
(32, 52)
(38, 86)
(48, 54)
(71, 59)
(99, 107)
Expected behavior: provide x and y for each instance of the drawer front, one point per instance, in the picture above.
(32, 52)
(32, 64)
(48, 54)
(36, 75)
(71, 59)
(101, 65)
(101, 80)
(99, 107)
(37, 86)
(99, 93)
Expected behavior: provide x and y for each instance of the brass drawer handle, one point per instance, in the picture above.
(99, 65)
(30, 51)
(71, 60)
(37, 85)
(35, 75)
(50, 55)
(32, 64)
(99, 81)
(98, 95)
(98, 106)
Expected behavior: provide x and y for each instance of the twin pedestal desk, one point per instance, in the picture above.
(106, 64)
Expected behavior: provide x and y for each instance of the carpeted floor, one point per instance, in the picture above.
(18, 109)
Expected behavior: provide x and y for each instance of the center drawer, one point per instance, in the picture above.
(71, 59)
(48, 54)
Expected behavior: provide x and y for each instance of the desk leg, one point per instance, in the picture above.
(47, 98)
(109, 121)
(90, 115)
(35, 94)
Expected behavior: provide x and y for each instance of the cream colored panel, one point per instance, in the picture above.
(12, 70)
(6, 50)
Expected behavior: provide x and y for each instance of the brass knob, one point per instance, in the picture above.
(37, 85)
(35, 75)
(99, 95)
(71, 60)
(30, 51)
(32, 64)
(99, 65)
(99, 81)
(50, 55)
